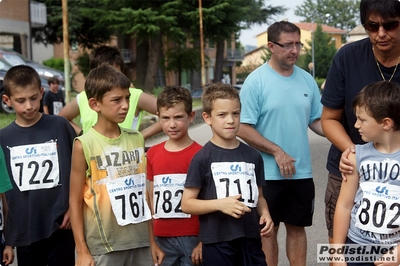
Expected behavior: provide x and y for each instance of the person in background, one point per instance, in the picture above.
(139, 100)
(53, 99)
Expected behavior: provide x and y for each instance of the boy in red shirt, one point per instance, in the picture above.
(167, 164)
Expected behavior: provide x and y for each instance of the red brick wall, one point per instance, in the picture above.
(15, 9)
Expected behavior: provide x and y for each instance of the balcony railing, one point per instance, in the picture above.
(235, 55)
(38, 15)
(127, 55)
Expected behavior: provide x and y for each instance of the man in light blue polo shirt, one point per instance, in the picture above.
(279, 102)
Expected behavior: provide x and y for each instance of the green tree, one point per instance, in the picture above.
(324, 51)
(83, 30)
(222, 18)
(342, 14)
(152, 23)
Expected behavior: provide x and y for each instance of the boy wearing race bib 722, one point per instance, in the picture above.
(368, 205)
(108, 196)
(37, 149)
(224, 187)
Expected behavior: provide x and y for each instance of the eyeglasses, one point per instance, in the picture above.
(374, 27)
(290, 46)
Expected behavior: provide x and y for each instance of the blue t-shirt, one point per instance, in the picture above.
(281, 109)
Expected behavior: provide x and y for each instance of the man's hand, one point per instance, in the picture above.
(286, 164)
(345, 165)
(232, 206)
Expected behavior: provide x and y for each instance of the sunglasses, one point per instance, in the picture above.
(374, 27)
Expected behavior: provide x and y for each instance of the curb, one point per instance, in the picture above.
(150, 120)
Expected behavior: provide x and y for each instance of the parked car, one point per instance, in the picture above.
(12, 58)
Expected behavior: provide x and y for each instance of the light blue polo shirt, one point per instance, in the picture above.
(281, 109)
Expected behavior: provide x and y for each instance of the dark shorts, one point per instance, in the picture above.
(290, 201)
(237, 252)
(57, 250)
(178, 250)
(331, 197)
(349, 241)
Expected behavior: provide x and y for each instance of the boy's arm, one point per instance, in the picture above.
(148, 103)
(197, 254)
(151, 130)
(45, 109)
(70, 111)
(156, 253)
(230, 205)
(263, 212)
(344, 205)
(77, 182)
(8, 253)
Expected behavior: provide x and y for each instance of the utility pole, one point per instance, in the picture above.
(67, 84)
(203, 72)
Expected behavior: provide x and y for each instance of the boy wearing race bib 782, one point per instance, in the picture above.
(224, 187)
(368, 204)
(108, 197)
(167, 164)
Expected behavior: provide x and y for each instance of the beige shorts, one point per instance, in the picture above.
(331, 197)
(130, 257)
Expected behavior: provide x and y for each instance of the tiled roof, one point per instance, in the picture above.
(313, 26)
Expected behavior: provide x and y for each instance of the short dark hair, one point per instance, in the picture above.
(217, 91)
(106, 55)
(20, 76)
(53, 80)
(274, 31)
(381, 100)
(103, 79)
(172, 95)
(386, 9)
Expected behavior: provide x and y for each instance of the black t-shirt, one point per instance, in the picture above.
(50, 97)
(217, 226)
(35, 214)
(353, 68)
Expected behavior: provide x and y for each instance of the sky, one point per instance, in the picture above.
(248, 37)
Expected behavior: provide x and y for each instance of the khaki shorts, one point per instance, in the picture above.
(130, 257)
(331, 197)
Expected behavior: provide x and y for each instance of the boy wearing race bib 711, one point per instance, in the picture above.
(224, 187)
(167, 164)
(37, 149)
(108, 197)
(368, 205)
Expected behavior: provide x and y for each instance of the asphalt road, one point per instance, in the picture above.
(317, 233)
